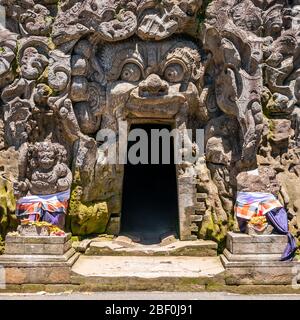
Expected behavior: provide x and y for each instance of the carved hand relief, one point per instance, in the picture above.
(72, 68)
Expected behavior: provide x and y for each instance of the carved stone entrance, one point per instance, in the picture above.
(70, 69)
(150, 201)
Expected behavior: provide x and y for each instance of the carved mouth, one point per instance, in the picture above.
(151, 100)
(166, 106)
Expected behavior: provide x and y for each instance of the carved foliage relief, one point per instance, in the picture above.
(70, 68)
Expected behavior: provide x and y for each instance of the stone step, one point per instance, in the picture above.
(251, 257)
(13, 259)
(152, 273)
(197, 248)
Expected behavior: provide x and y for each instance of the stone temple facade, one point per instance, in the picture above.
(71, 68)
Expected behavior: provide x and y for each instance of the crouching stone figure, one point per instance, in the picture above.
(43, 189)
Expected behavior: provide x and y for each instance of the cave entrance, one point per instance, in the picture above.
(149, 201)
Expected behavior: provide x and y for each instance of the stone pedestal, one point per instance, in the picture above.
(38, 259)
(255, 259)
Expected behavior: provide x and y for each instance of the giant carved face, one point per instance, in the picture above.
(151, 79)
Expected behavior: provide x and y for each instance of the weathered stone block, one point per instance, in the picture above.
(239, 243)
(35, 246)
(39, 239)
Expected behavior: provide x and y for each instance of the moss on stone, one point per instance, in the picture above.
(16, 68)
(85, 218)
(202, 15)
(48, 19)
(44, 77)
(2, 244)
(215, 231)
(267, 103)
(8, 220)
(51, 44)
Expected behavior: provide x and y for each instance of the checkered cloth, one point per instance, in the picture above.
(36, 206)
(249, 204)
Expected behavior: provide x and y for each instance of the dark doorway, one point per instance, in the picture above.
(150, 203)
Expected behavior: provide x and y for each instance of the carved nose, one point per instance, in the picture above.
(153, 86)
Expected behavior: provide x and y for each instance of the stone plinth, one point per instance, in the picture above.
(38, 259)
(255, 259)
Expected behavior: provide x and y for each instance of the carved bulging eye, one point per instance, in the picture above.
(174, 73)
(131, 72)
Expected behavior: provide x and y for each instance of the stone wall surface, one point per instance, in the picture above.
(70, 68)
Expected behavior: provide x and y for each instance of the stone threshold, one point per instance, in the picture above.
(197, 248)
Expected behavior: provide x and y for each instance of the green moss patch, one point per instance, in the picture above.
(86, 218)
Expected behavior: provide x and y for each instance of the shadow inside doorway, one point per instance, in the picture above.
(150, 201)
